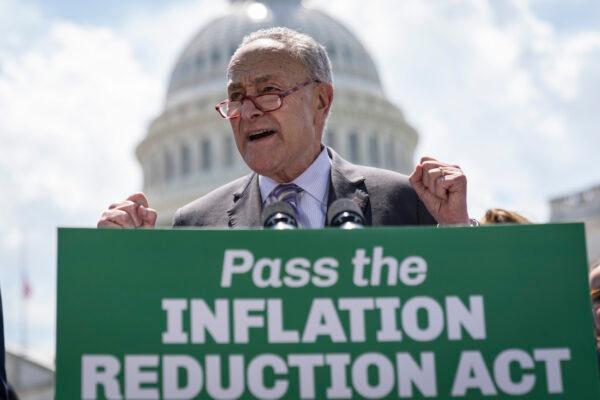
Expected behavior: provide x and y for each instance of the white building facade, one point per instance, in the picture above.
(189, 149)
(583, 206)
(31, 379)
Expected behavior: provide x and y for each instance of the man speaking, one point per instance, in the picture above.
(279, 94)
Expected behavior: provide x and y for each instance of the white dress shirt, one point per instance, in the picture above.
(312, 204)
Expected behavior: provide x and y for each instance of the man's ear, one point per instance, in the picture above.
(323, 100)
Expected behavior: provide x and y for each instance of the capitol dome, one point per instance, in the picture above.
(204, 60)
(189, 150)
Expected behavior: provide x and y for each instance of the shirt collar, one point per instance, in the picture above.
(314, 180)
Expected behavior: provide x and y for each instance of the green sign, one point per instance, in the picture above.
(500, 312)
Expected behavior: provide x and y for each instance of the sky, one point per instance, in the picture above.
(507, 89)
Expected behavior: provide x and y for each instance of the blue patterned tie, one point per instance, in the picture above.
(288, 192)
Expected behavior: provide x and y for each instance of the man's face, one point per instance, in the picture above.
(294, 130)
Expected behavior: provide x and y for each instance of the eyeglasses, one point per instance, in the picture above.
(230, 109)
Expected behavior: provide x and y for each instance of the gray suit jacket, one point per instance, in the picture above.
(386, 198)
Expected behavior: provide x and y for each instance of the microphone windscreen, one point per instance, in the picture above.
(343, 205)
(275, 208)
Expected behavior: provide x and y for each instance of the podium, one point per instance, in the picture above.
(500, 312)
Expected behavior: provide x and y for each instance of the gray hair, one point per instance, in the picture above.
(302, 47)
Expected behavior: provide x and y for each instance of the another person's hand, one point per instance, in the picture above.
(443, 189)
(131, 213)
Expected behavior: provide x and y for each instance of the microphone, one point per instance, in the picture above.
(345, 214)
(279, 215)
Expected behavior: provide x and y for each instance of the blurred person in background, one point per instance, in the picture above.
(6, 392)
(595, 293)
(501, 216)
(3, 384)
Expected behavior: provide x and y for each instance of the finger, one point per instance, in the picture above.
(122, 218)
(448, 179)
(121, 205)
(431, 172)
(438, 188)
(429, 164)
(148, 217)
(416, 180)
(456, 182)
(105, 223)
(129, 207)
(426, 158)
(430, 200)
(427, 167)
(139, 198)
(435, 178)
(133, 210)
(417, 174)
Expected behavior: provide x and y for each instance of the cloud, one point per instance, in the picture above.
(78, 93)
(158, 38)
(491, 86)
(20, 23)
(563, 69)
(66, 106)
(75, 100)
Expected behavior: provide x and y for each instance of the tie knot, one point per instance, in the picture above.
(290, 194)
(287, 192)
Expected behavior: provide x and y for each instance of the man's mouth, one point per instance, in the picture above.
(260, 134)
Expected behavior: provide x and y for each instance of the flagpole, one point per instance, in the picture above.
(25, 292)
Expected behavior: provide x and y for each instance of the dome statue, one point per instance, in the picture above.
(189, 150)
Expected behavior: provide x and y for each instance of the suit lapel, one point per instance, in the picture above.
(246, 210)
(347, 182)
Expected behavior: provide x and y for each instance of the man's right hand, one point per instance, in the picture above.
(131, 213)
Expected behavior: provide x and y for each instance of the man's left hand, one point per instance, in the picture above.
(443, 189)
